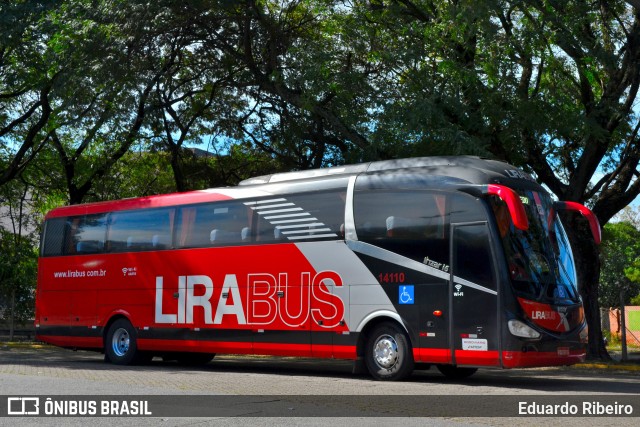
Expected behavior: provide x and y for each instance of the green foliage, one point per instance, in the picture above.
(620, 251)
(633, 271)
(22, 210)
(145, 173)
(613, 340)
(18, 267)
(319, 82)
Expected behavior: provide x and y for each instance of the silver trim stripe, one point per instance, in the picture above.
(461, 281)
(260, 202)
(388, 256)
(298, 231)
(282, 227)
(279, 205)
(314, 236)
(349, 219)
(299, 225)
(293, 220)
(277, 211)
(285, 216)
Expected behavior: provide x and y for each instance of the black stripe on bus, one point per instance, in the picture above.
(69, 331)
(222, 335)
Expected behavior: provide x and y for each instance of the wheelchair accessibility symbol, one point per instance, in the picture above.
(405, 294)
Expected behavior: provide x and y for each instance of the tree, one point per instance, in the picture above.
(26, 85)
(549, 86)
(144, 173)
(18, 252)
(79, 76)
(18, 266)
(620, 256)
(117, 64)
(307, 95)
(546, 85)
(629, 214)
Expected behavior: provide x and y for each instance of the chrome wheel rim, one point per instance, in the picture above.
(120, 342)
(385, 352)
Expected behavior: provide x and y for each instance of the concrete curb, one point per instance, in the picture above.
(618, 366)
(24, 345)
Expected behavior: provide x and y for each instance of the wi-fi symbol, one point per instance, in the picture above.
(458, 287)
(124, 271)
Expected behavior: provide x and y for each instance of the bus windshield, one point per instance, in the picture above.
(540, 260)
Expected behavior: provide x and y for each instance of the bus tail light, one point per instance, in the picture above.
(594, 224)
(519, 329)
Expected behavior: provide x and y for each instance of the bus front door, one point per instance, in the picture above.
(474, 334)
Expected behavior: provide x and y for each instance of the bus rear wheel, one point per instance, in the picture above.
(388, 353)
(121, 345)
(456, 373)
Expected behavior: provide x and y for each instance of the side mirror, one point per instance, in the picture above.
(514, 204)
(507, 195)
(594, 224)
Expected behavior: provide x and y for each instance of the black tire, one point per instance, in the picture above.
(456, 373)
(388, 353)
(121, 344)
(195, 359)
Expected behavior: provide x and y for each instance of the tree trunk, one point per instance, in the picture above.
(587, 259)
(176, 167)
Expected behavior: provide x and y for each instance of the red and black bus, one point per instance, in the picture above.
(456, 262)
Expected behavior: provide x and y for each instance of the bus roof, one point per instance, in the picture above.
(463, 167)
(474, 170)
(157, 201)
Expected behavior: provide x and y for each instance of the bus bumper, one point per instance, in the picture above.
(563, 356)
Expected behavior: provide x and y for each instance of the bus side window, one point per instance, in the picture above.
(143, 230)
(300, 217)
(214, 224)
(54, 236)
(472, 255)
(87, 234)
(410, 223)
(400, 227)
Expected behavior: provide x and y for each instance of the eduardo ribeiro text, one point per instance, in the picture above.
(566, 408)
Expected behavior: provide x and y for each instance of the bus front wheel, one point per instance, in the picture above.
(121, 347)
(388, 353)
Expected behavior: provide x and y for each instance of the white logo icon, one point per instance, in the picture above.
(458, 292)
(405, 297)
(23, 406)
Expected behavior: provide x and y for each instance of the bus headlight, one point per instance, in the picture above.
(519, 329)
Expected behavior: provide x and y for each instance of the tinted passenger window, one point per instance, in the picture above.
(472, 259)
(414, 224)
(299, 217)
(213, 224)
(53, 237)
(140, 230)
(87, 234)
